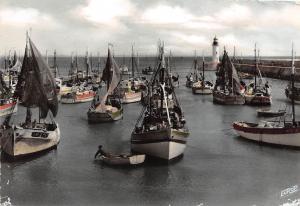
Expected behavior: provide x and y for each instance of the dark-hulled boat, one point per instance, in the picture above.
(270, 113)
(119, 159)
(289, 92)
(110, 107)
(228, 89)
(35, 88)
(160, 130)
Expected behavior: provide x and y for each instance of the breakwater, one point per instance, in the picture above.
(278, 69)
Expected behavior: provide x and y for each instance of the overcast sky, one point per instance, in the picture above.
(184, 25)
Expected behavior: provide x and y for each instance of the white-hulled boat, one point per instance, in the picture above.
(79, 96)
(258, 93)
(110, 107)
(228, 89)
(160, 130)
(201, 86)
(36, 88)
(273, 132)
(132, 87)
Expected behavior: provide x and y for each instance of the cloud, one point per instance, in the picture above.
(164, 14)
(191, 39)
(24, 17)
(107, 12)
(235, 15)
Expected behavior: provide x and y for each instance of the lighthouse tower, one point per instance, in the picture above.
(215, 52)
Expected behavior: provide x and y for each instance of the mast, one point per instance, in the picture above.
(87, 63)
(91, 62)
(28, 111)
(293, 85)
(203, 64)
(234, 53)
(99, 63)
(137, 62)
(47, 60)
(132, 62)
(195, 65)
(76, 66)
(255, 72)
(55, 63)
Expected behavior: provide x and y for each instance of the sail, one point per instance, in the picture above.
(111, 66)
(107, 69)
(36, 86)
(235, 80)
(227, 75)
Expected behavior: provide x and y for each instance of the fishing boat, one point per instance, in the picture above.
(286, 133)
(119, 159)
(8, 106)
(12, 67)
(270, 113)
(81, 90)
(161, 129)
(131, 87)
(124, 68)
(289, 92)
(110, 107)
(80, 95)
(258, 93)
(148, 70)
(7, 103)
(35, 89)
(202, 86)
(228, 89)
(245, 75)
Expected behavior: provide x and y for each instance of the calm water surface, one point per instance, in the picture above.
(218, 168)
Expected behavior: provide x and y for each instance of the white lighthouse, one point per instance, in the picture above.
(215, 52)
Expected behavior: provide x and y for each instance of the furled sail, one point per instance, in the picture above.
(111, 75)
(36, 85)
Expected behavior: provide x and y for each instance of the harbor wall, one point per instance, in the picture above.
(278, 69)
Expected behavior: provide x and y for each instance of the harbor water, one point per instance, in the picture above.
(218, 167)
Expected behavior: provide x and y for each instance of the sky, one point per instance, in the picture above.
(184, 25)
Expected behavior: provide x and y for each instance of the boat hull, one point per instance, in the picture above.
(100, 117)
(288, 95)
(164, 144)
(203, 90)
(263, 113)
(228, 99)
(277, 136)
(132, 97)
(19, 142)
(74, 99)
(258, 100)
(123, 160)
(8, 108)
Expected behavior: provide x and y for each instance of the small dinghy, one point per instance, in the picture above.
(270, 113)
(122, 159)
